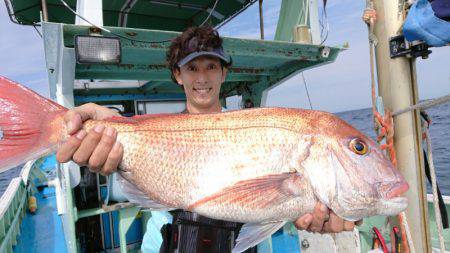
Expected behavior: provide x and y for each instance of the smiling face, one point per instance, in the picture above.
(202, 78)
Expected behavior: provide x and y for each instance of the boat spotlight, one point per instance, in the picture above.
(97, 49)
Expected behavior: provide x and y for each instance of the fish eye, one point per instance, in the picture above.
(358, 146)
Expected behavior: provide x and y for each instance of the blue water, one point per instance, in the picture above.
(362, 120)
(6, 177)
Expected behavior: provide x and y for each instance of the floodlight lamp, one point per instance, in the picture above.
(97, 50)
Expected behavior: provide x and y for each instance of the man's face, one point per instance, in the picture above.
(202, 78)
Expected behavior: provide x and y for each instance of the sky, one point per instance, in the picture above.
(340, 86)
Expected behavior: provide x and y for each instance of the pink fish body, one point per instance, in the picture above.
(262, 167)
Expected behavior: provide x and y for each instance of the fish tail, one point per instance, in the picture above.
(30, 125)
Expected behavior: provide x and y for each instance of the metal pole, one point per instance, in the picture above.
(261, 19)
(397, 85)
(44, 10)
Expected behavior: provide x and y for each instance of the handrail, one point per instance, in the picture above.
(12, 211)
(12, 207)
(24, 174)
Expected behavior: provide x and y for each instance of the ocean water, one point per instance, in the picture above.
(6, 177)
(362, 120)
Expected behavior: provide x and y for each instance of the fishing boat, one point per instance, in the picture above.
(113, 53)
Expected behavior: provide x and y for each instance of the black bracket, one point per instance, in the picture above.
(398, 47)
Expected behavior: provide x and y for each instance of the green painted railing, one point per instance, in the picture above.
(13, 204)
(12, 210)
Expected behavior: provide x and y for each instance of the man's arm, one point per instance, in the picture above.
(96, 149)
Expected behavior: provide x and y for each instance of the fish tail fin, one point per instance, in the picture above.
(30, 125)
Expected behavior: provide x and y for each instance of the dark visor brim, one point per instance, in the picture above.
(194, 55)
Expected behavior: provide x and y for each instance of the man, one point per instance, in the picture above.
(197, 63)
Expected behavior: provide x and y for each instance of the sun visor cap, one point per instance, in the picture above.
(216, 52)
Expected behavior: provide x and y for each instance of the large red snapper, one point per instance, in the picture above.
(263, 167)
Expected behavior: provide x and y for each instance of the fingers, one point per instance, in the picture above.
(97, 149)
(69, 148)
(87, 147)
(324, 221)
(102, 149)
(73, 122)
(113, 160)
(334, 225)
(349, 225)
(320, 215)
(303, 222)
(76, 116)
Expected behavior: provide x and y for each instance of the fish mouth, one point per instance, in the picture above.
(398, 190)
(392, 190)
(392, 206)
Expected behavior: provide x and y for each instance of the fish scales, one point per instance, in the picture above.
(202, 155)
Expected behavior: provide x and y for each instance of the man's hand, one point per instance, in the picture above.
(324, 221)
(96, 149)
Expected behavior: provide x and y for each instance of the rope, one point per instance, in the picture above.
(408, 245)
(369, 17)
(424, 105)
(384, 124)
(434, 189)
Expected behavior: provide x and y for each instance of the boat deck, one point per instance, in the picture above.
(43, 231)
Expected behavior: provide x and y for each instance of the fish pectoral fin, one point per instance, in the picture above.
(253, 233)
(257, 193)
(134, 195)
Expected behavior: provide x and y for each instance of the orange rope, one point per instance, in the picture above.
(383, 124)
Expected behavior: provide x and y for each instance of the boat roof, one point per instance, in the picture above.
(257, 64)
(167, 15)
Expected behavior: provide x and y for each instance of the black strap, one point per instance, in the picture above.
(232, 227)
(188, 218)
(442, 208)
(191, 232)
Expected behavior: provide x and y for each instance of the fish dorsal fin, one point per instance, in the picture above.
(257, 192)
(134, 195)
(253, 233)
(139, 118)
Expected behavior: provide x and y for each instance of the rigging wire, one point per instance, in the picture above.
(306, 88)
(125, 37)
(424, 105)
(39, 33)
(210, 13)
(324, 25)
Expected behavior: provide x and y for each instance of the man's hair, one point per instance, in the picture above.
(191, 40)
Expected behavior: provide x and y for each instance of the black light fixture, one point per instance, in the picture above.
(97, 49)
